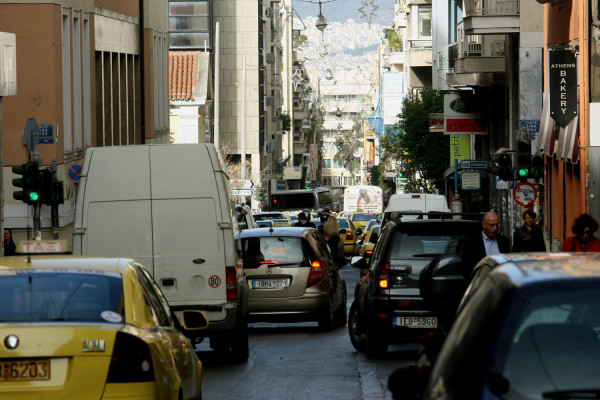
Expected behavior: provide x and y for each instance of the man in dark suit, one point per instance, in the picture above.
(488, 243)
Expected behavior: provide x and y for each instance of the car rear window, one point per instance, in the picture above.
(343, 223)
(47, 295)
(430, 240)
(363, 216)
(282, 250)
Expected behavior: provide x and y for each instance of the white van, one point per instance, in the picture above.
(409, 205)
(168, 207)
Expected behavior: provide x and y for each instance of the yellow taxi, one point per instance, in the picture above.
(366, 249)
(75, 327)
(361, 219)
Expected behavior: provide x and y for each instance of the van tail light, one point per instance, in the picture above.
(349, 235)
(316, 274)
(131, 360)
(382, 275)
(231, 283)
(368, 253)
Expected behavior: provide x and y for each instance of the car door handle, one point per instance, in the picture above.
(199, 261)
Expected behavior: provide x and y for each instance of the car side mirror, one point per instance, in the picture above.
(343, 231)
(358, 262)
(359, 231)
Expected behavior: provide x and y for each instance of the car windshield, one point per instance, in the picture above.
(47, 295)
(363, 216)
(280, 250)
(549, 346)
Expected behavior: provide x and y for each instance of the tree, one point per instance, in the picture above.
(424, 155)
(347, 144)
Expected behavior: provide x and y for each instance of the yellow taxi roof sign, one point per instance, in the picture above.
(57, 246)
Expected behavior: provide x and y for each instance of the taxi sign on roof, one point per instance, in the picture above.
(43, 247)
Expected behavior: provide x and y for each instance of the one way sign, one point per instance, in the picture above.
(242, 184)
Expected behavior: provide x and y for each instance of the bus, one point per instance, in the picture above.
(363, 198)
(301, 199)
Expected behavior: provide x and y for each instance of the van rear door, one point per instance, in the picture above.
(188, 241)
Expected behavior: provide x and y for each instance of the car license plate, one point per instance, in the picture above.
(24, 370)
(416, 322)
(269, 283)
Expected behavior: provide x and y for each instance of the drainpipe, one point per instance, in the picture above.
(142, 76)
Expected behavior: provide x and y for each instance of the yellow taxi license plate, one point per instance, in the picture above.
(24, 370)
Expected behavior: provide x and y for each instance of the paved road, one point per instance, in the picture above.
(298, 361)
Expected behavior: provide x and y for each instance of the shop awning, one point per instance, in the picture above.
(554, 140)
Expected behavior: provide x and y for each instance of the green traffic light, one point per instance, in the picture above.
(523, 172)
(34, 196)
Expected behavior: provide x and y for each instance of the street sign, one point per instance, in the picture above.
(74, 172)
(242, 184)
(525, 194)
(242, 192)
(475, 164)
(471, 181)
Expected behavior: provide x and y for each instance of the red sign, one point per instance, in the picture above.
(465, 125)
(214, 281)
(525, 194)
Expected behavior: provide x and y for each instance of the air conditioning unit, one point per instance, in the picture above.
(269, 58)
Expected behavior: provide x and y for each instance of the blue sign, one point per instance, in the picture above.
(532, 125)
(45, 134)
(74, 172)
(478, 164)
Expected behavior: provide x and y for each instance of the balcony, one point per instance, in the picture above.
(487, 17)
(419, 53)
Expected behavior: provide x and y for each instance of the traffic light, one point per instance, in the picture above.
(31, 183)
(58, 194)
(537, 167)
(523, 160)
(46, 186)
(505, 167)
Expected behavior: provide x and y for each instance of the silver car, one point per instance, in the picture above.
(291, 277)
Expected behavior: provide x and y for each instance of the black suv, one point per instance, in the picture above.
(390, 305)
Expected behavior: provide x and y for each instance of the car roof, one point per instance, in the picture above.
(24, 261)
(526, 268)
(275, 231)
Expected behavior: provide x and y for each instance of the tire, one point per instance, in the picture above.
(357, 337)
(375, 345)
(340, 316)
(326, 320)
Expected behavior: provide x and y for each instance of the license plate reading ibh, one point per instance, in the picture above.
(269, 283)
(24, 370)
(417, 322)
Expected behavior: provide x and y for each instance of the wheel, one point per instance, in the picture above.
(375, 345)
(326, 320)
(357, 337)
(340, 316)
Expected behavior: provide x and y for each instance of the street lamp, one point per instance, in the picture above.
(321, 21)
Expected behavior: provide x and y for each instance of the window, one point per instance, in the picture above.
(424, 22)
(327, 163)
(189, 24)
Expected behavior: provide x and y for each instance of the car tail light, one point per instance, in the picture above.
(231, 283)
(368, 253)
(382, 275)
(316, 274)
(349, 235)
(131, 360)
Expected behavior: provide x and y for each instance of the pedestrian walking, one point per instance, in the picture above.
(489, 242)
(528, 237)
(583, 239)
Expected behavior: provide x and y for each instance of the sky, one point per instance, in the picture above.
(379, 11)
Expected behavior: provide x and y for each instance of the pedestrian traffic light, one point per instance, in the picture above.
(523, 160)
(47, 178)
(537, 167)
(505, 167)
(30, 183)
(58, 194)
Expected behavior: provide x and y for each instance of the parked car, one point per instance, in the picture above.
(291, 277)
(79, 327)
(529, 330)
(276, 218)
(388, 305)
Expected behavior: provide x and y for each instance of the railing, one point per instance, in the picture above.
(414, 44)
(475, 8)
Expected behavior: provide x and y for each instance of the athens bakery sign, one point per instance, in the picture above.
(563, 85)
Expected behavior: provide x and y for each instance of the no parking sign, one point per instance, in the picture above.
(74, 172)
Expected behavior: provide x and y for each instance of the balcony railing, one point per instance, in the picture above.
(491, 7)
(419, 44)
